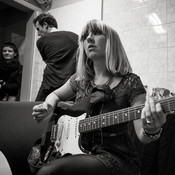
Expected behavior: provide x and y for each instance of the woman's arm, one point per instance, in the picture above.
(46, 109)
(148, 128)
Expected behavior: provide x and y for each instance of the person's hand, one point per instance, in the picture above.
(153, 117)
(42, 112)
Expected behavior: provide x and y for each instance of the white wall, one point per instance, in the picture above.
(73, 16)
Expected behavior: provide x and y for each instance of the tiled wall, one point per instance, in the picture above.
(147, 30)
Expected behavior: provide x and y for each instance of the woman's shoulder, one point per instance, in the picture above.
(76, 80)
(131, 76)
(131, 79)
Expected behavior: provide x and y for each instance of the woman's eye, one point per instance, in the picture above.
(97, 33)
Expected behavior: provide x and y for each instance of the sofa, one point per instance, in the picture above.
(18, 132)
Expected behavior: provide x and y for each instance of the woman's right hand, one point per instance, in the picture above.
(42, 112)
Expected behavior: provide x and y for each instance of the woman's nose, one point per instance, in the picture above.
(90, 37)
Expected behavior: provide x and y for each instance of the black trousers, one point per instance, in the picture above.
(82, 164)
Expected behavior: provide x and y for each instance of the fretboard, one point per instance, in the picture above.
(121, 116)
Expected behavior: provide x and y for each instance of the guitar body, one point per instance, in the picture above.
(67, 141)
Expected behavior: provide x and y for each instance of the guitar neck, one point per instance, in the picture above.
(121, 116)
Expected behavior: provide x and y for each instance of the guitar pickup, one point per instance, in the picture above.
(54, 130)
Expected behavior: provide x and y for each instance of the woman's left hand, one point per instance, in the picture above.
(153, 116)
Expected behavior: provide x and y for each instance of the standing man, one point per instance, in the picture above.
(58, 51)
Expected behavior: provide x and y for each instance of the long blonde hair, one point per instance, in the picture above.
(116, 59)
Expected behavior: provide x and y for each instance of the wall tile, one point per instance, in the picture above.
(171, 59)
(171, 84)
(138, 3)
(111, 20)
(140, 17)
(139, 39)
(153, 2)
(157, 80)
(139, 62)
(170, 11)
(157, 36)
(123, 20)
(124, 5)
(144, 78)
(126, 40)
(157, 13)
(171, 34)
(109, 6)
(158, 60)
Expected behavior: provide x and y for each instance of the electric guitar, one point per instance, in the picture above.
(65, 134)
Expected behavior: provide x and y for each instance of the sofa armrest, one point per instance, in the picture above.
(18, 132)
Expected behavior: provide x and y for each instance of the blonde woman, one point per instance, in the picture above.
(104, 73)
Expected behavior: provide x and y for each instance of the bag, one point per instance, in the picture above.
(37, 159)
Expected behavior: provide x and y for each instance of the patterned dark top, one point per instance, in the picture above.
(112, 145)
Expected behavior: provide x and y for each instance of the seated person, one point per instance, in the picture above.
(10, 73)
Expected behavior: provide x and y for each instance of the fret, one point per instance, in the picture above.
(89, 126)
(108, 123)
(129, 118)
(111, 115)
(93, 123)
(96, 120)
(100, 122)
(116, 118)
(121, 120)
(113, 118)
(169, 106)
(103, 121)
(120, 117)
(126, 116)
(132, 114)
(138, 113)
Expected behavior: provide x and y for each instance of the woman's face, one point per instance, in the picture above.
(95, 45)
(8, 53)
